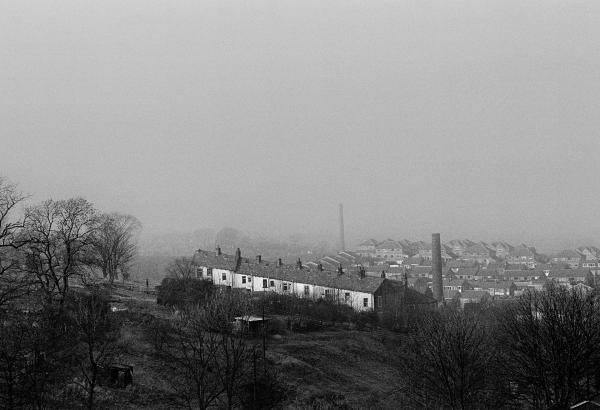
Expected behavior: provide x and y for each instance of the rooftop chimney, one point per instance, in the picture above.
(340, 269)
(279, 263)
(299, 264)
(383, 274)
(362, 272)
(342, 242)
(218, 251)
(320, 267)
(436, 261)
(258, 258)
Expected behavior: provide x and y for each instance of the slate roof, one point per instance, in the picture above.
(462, 264)
(478, 249)
(521, 250)
(424, 246)
(567, 254)
(369, 242)
(569, 273)
(420, 269)
(413, 260)
(389, 244)
(411, 296)
(492, 285)
(350, 280)
(473, 294)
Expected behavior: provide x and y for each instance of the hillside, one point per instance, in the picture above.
(330, 369)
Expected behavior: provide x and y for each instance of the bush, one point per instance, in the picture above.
(183, 292)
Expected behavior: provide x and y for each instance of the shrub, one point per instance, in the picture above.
(183, 292)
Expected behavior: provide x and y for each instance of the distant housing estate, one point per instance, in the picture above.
(497, 269)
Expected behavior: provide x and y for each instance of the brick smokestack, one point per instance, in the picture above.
(342, 241)
(436, 261)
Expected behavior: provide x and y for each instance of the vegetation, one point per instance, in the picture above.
(66, 325)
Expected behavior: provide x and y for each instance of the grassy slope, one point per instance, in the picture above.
(323, 370)
(337, 369)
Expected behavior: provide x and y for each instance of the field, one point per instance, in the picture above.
(335, 368)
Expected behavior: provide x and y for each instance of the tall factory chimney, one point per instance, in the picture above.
(436, 260)
(342, 242)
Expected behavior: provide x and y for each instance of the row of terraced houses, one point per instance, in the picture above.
(347, 284)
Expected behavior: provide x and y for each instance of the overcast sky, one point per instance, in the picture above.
(475, 119)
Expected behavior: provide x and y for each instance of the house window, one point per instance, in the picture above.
(224, 276)
(286, 287)
(366, 302)
(272, 284)
(209, 272)
(265, 285)
(243, 279)
(249, 279)
(347, 296)
(306, 290)
(327, 293)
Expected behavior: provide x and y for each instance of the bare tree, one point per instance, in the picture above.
(551, 342)
(60, 235)
(235, 354)
(12, 281)
(97, 333)
(181, 268)
(208, 360)
(187, 353)
(447, 362)
(114, 244)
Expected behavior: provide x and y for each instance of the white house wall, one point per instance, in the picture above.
(253, 283)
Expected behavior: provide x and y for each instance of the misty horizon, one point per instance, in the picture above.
(473, 119)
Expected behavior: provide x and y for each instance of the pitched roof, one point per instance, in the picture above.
(521, 250)
(473, 294)
(349, 280)
(369, 242)
(503, 245)
(567, 253)
(492, 285)
(462, 264)
(420, 269)
(411, 296)
(389, 244)
(478, 248)
(569, 273)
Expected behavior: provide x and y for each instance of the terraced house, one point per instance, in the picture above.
(353, 288)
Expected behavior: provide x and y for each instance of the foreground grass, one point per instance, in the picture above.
(331, 369)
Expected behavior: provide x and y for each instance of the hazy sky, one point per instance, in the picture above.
(469, 118)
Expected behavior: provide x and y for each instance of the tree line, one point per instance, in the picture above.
(55, 342)
(540, 351)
